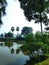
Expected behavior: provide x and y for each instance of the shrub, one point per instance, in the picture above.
(29, 38)
(38, 37)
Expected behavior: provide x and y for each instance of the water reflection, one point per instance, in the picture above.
(1, 43)
(34, 51)
(9, 56)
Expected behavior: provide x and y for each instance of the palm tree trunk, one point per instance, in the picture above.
(41, 30)
(41, 27)
(41, 24)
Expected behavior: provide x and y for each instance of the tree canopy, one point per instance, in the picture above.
(3, 4)
(36, 10)
(26, 30)
(17, 28)
(12, 29)
(9, 34)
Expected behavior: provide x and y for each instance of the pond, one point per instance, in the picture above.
(9, 56)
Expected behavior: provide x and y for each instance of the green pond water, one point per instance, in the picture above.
(9, 56)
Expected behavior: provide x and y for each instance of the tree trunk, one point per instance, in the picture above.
(41, 27)
(41, 23)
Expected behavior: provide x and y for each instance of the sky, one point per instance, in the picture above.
(15, 17)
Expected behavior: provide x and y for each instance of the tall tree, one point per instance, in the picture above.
(3, 4)
(17, 29)
(12, 29)
(9, 34)
(26, 30)
(36, 10)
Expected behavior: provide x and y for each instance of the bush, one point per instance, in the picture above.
(38, 37)
(44, 47)
(29, 38)
(44, 38)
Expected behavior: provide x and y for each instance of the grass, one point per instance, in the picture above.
(46, 62)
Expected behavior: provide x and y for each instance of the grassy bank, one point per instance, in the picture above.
(46, 62)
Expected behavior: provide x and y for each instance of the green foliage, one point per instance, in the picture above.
(36, 42)
(48, 41)
(17, 29)
(12, 29)
(38, 37)
(3, 4)
(8, 35)
(41, 38)
(8, 43)
(26, 30)
(36, 10)
(44, 47)
(12, 51)
(35, 47)
(45, 38)
(29, 38)
(46, 62)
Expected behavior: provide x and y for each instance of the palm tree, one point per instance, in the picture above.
(12, 29)
(17, 29)
(3, 4)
